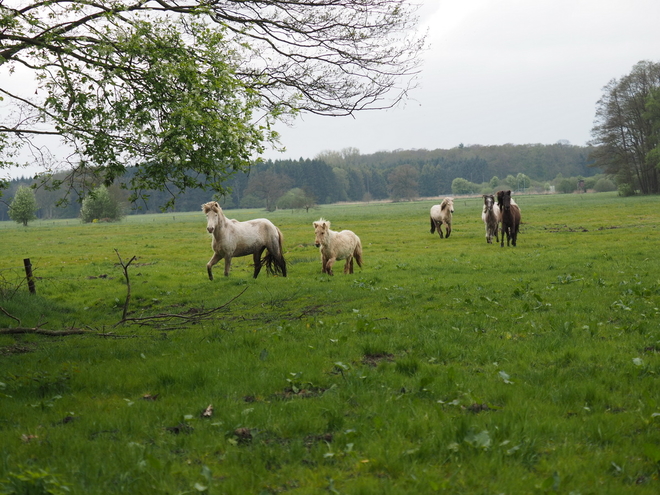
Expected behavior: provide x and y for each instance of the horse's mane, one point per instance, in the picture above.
(211, 205)
(323, 220)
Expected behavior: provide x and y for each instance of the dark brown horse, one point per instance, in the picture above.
(510, 217)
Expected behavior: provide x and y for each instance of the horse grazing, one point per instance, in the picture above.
(491, 217)
(337, 246)
(441, 215)
(232, 238)
(510, 217)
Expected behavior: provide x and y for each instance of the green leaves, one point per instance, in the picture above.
(166, 100)
(23, 207)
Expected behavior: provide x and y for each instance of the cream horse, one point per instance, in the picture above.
(232, 238)
(337, 246)
(441, 215)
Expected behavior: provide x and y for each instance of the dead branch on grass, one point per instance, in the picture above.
(10, 316)
(51, 333)
(192, 316)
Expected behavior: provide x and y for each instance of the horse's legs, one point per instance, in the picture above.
(447, 229)
(328, 265)
(209, 266)
(439, 225)
(227, 265)
(256, 256)
(348, 267)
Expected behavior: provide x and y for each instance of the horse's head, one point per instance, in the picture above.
(448, 203)
(321, 229)
(213, 214)
(504, 200)
(489, 201)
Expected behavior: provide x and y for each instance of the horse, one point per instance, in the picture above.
(441, 215)
(510, 217)
(337, 246)
(491, 217)
(232, 238)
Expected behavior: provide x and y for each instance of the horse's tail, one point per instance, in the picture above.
(275, 262)
(432, 226)
(357, 254)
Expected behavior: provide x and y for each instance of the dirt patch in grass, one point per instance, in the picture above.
(477, 408)
(374, 359)
(17, 349)
(303, 393)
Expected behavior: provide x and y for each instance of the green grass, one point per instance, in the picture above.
(446, 366)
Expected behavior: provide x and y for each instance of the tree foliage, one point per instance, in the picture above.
(403, 183)
(23, 207)
(296, 198)
(627, 129)
(188, 92)
(100, 205)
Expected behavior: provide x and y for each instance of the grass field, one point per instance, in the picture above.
(442, 366)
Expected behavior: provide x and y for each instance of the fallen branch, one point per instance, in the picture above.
(10, 316)
(190, 317)
(50, 333)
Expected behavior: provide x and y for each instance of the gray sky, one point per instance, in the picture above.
(497, 72)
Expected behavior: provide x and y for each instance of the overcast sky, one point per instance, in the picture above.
(497, 72)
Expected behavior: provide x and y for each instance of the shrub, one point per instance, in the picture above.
(567, 186)
(100, 205)
(626, 190)
(604, 185)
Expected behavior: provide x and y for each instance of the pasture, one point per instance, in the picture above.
(442, 366)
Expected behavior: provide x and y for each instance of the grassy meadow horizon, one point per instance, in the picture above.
(442, 366)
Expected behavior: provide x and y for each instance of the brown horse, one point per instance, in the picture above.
(510, 217)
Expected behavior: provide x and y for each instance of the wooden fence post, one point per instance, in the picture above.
(28, 274)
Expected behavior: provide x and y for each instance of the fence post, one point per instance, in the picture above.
(28, 274)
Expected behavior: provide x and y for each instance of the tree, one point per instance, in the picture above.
(188, 92)
(627, 127)
(100, 205)
(403, 182)
(296, 198)
(268, 186)
(463, 186)
(523, 181)
(23, 207)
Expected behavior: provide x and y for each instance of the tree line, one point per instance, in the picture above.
(347, 175)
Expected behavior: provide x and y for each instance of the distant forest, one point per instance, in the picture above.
(350, 176)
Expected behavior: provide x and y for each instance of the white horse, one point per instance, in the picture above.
(232, 238)
(491, 217)
(337, 246)
(441, 215)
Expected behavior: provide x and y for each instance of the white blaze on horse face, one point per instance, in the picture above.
(212, 220)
